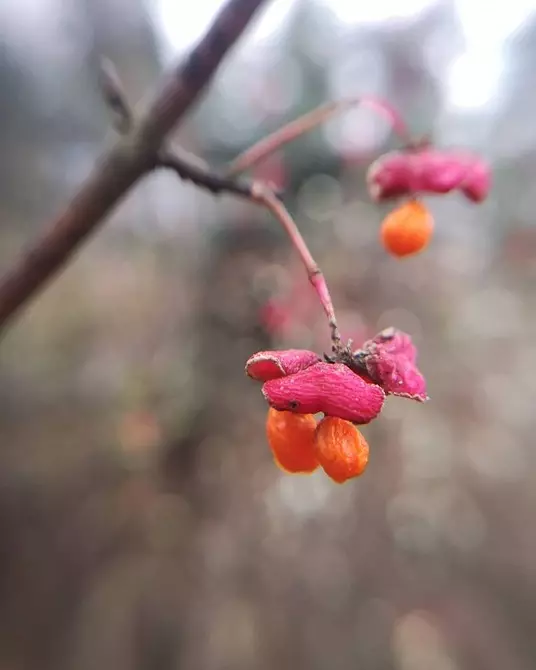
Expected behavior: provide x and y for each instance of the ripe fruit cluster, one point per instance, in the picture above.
(298, 385)
(299, 444)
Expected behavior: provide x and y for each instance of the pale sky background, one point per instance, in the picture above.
(474, 76)
(472, 82)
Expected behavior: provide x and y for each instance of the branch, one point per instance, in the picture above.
(203, 176)
(191, 168)
(125, 163)
(307, 122)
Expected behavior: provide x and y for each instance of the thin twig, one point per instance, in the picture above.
(203, 177)
(190, 167)
(303, 124)
(288, 133)
(125, 163)
(283, 136)
(269, 200)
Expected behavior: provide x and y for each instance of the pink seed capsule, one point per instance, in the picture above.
(477, 183)
(265, 365)
(397, 376)
(329, 388)
(410, 172)
(390, 361)
(395, 342)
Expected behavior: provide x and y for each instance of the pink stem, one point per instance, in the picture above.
(303, 124)
(317, 279)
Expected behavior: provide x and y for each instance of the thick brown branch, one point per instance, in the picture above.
(125, 163)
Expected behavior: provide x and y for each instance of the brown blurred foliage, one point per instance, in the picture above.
(143, 523)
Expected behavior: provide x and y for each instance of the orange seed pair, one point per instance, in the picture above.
(299, 444)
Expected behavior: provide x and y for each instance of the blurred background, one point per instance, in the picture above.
(143, 523)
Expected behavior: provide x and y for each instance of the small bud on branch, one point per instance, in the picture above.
(115, 96)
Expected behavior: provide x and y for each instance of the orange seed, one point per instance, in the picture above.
(341, 449)
(407, 229)
(292, 440)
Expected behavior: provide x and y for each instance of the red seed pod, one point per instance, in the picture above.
(329, 388)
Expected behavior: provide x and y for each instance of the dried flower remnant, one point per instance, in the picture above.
(341, 449)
